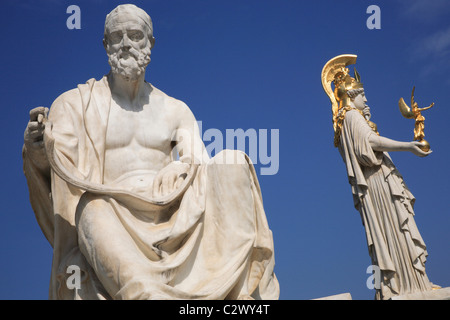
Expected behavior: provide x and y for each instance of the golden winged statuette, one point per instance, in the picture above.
(415, 113)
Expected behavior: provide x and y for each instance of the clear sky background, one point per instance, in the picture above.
(249, 64)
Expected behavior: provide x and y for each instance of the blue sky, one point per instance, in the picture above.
(251, 65)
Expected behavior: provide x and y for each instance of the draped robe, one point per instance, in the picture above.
(386, 207)
(210, 242)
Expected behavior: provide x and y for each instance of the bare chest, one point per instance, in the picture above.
(148, 128)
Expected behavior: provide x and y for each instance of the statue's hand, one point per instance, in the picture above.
(170, 178)
(415, 148)
(33, 137)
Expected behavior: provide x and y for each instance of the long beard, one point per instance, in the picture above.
(131, 64)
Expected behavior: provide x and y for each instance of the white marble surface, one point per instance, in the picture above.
(116, 203)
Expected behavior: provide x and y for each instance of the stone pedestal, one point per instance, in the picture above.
(437, 294)
(342, 296)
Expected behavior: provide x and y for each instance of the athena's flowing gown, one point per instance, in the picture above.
(386, 208)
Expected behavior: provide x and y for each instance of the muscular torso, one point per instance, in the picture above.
(138, 142)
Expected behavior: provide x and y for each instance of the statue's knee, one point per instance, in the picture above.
(88, 207)
(230, 164)
(230, 157)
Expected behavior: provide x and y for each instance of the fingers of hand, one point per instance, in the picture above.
(169, 179)
(162, 184)
(35, 128)
(157, 185)
(180, 180)
(34, 113)
(38, 144)
(168, 182)
(165, 185)
(420, 152)
(34, 132)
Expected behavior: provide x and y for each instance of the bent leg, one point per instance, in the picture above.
(106, 244)
(236, 220)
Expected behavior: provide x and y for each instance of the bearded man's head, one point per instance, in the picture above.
(128, 40)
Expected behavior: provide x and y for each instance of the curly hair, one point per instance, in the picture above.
(354, 93)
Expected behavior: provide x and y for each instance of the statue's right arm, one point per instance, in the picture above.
(379, 143)
(37, 172)
(33, 140)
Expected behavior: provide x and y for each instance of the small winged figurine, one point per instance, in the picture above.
(415, 113)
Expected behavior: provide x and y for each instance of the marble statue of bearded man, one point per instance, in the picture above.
(114, 201)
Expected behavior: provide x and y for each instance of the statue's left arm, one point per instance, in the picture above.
(190, 148)
(189, 144)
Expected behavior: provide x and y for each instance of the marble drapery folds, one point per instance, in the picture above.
(211, 242)
(386, 207)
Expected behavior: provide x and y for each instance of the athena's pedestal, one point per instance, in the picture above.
(342, 296)
(438, 294)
